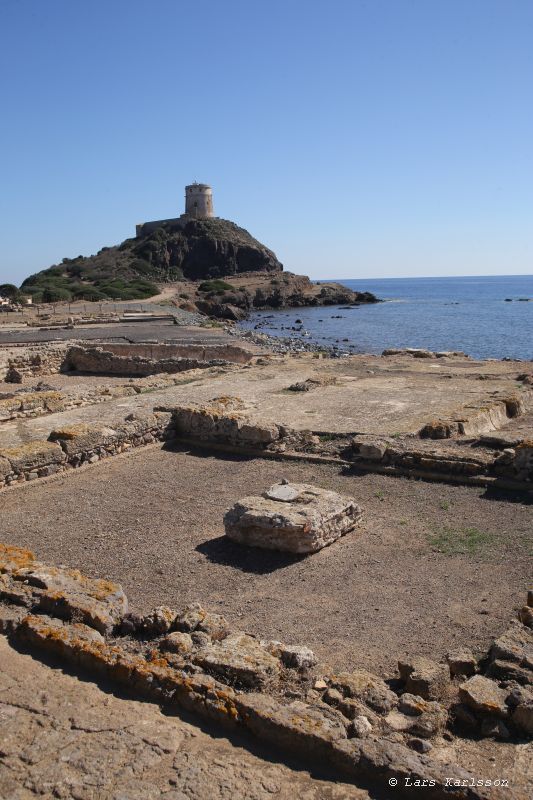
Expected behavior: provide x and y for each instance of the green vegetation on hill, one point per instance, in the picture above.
(194, 249)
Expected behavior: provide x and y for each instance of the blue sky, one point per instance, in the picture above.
(356, 138)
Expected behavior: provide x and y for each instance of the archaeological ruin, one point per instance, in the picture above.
(317, 569)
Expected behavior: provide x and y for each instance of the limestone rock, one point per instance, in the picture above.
(370, 449)
(292, 656)
(160, 620)
(177, 643)
(525, 614)
(501, 670)
(189, 619)
(215, 626)
(5, 468)
(420, 717)
(360, 727)
(78, 438)
(523, 716)
(13, 558)
(296, 518)
(298, 727)
(461, 662)
(424, 677)
(239, 658)
(33, 455)
(67, 594)
(362, 685)
(484, 696)
(516, 644)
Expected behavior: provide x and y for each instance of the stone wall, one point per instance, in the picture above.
(75, 445)
(114, 360)
(482, 417)
(164, 352)
(354, 722)
(21, 361)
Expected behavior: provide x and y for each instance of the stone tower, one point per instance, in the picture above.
(198, 200)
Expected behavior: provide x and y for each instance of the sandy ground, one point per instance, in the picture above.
(152, 520)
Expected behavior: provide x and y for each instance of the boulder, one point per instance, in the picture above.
(296, 518)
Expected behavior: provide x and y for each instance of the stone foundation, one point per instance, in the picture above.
(118, 359)
(28, 361)
(76, 445)
(355, 722)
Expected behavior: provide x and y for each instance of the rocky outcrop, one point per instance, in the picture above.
(204, 248)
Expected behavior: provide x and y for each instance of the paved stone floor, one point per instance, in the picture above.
(370, 395)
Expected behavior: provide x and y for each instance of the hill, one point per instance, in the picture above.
(182, 249)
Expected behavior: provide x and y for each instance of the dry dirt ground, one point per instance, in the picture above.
(66, 738)
(432, 567)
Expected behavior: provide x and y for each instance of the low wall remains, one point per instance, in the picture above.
(483, 417)
(225, 423)
(356, 722)
(75, 445)
(137, 359)
(28, 361)
(160, 352)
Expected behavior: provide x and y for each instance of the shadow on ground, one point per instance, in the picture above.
(248, 559)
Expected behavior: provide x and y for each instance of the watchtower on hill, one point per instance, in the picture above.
(198, 205)
(199, 200)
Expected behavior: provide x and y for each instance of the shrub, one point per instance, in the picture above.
(216, 285)
(89, 293)
(141, 266)
(53, 294)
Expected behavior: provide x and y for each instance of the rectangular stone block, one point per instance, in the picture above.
(296, 518)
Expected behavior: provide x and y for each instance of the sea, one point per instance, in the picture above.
(485, 317)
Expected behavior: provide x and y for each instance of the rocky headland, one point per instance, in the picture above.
(216, 268)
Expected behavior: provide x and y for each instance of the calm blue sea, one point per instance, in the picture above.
(469, 314)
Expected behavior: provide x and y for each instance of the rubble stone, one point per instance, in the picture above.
(516, 644)
(461, 662)
(484, 696)
(239, 658)
(424, 677)
(362, 685)
(177, 643)
(304, 521)
(67, 594)
(160, 620)
(292, 656)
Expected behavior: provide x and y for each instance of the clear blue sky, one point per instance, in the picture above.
(356, 138)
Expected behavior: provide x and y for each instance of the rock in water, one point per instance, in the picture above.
(296, 518)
